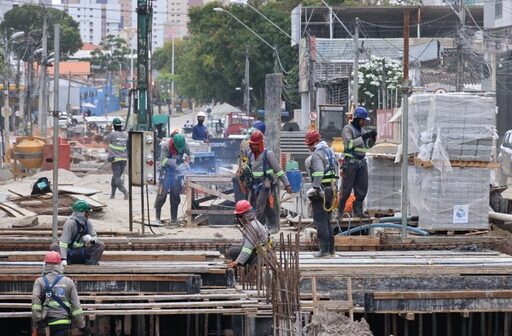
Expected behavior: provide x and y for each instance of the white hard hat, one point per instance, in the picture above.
(201, 114)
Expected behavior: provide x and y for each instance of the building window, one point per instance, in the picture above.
(498, 9)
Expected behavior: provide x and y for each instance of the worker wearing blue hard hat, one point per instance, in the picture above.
(357, 141)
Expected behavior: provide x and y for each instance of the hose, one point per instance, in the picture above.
(396, 219)
(383, 225)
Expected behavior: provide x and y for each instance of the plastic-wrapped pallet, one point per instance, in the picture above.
(459, 127)
(384, 183)
(419, 107)
(457, 201)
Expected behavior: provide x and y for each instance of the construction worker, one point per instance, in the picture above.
(355, 170)
(322, 167)
(55, 302)
(117, 155)
(174, 162)
(256, 236)
(244, 175)
(264, 166)
(200, 131)
(79, 243)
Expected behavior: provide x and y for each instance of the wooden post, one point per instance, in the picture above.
(349, 299)
(273, 88)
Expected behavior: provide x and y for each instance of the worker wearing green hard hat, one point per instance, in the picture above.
(117, 156)
(79, 243)
(175, 160)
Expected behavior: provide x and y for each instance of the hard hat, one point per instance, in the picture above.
(361, 113)
(179, 142)
(260, 125)
(52, 257)
(311, 137)
(201, 114)
(242, 207)
(117, 122)
(256, 137)
(81, 206)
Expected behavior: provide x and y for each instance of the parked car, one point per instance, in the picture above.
(505, 158)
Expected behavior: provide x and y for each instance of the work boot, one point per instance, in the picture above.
(158, 212)
(321, 254)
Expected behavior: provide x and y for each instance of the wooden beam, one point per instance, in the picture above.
(211, 191)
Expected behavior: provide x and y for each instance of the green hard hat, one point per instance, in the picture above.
(117, 122)
(179, 142)
(81, 206)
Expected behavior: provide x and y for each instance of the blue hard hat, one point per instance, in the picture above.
(259, 125)
(361, 112)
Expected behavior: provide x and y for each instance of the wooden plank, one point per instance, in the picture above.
(459, 164)
(86, 297)
(208, 178)
(420, 295)
(78, 190)
(15, 208)
(211, 191)
(363, 241)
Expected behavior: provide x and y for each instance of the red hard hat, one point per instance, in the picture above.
(52, 258)
(242, 207)
(312, 137)
(256, 137)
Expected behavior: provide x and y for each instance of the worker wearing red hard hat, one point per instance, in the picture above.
(175, 159)
(265, 169)
(322, 167)
(55, 302)
(256, 236)
(355, 170)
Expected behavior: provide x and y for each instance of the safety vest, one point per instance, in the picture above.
(355, 152)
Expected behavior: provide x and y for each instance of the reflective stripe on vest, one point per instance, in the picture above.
(118, 148)
(246, 250)
(60, 322)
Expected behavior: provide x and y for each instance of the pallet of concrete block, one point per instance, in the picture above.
(384, 183)
(458, 126)
(453, 200)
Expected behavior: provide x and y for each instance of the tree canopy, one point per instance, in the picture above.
(29, 19)
(112, 54)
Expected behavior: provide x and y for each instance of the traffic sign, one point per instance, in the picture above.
(6, 111)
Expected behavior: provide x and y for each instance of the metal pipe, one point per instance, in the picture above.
(396, 219)
(55, 210)
(383, 225)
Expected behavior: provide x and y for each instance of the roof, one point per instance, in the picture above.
(441, 76)
(78, 68)
(89, 46)
(223, 109)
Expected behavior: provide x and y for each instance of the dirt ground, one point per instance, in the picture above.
(327, 323)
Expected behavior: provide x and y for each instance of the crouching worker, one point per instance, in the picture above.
(55, 302)
(79, 243)
(256, 237)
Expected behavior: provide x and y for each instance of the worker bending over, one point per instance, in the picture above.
(117, 156)
(355, 169)
(256, 237)
(174, 158)
(79, 243)
(265, 168)
(200, 131)
(244, 175)
(322, 167)
(55, 302)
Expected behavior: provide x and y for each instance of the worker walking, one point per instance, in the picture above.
(79, 243)
(256, 236)
(322, 167)
(200, 131)
(243, 178)
(174, 159)
(355, 170)
(265, 167)
(55, 302)
(117, 156)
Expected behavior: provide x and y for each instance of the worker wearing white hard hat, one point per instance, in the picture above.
(200, 131)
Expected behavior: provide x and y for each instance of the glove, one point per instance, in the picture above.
(288, 189)
(64, 262)
(311, 192)
(94, 240)
(368, 135)
(87, 238)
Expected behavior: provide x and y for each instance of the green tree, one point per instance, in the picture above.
(29, 19)
(112, 54)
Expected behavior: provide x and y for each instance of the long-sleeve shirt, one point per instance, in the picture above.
(272, 167)
(200, 132)
(324, 166)
(255, 234)
(65, 289)
(71, 228)
(355, 146)
(117, 141)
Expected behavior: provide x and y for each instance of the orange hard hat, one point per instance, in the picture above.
(52, 258)
(311, 137)
(256, 137)
(242, 207)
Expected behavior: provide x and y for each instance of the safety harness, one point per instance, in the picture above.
(329, 179)
(76, 250)
(50, 295)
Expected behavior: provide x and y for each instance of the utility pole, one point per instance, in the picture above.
(144, 21)
(42, 80)
(247, 84)
(28, 80)
(68, 104)
(355, 83)
(172, 73)
(405, 122)
(460, 61)
(55, 114)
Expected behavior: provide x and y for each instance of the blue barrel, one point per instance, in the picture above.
(294, 175)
